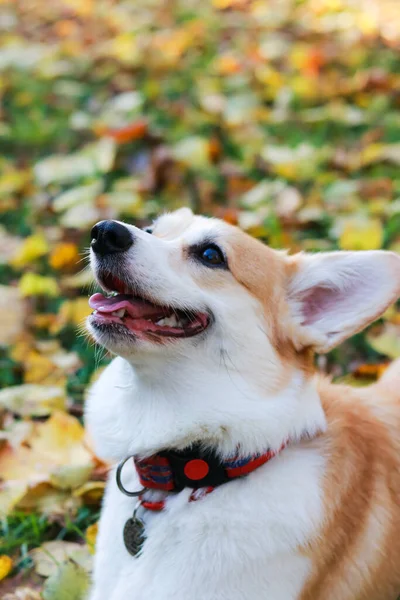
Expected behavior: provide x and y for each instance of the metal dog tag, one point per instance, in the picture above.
(134, 536)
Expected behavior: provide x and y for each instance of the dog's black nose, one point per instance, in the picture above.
(109, 237)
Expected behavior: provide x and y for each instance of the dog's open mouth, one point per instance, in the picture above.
(141, 316)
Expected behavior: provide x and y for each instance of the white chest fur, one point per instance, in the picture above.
(241, 542)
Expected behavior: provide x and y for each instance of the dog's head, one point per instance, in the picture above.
(196, 287)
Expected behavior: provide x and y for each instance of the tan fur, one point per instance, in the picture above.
(356, 554)
(264, 272)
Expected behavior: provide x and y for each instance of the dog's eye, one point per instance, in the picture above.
(148, 230)
(212, 256)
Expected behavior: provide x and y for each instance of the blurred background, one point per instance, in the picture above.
(279, 116)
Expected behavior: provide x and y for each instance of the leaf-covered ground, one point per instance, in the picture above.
(282, 117)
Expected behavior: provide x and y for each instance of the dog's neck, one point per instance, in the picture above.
(172, 405)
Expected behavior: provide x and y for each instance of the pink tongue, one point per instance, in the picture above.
(136, 307)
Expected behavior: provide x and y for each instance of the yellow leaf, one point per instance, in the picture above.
(224, 4)
(298, 55)
(271, 78)
(170, 45)
(303, 88)
(91, 492)
(57, 443)
(361, 234)
(125, 48)
(32, 284)
(64, 255)
(72, 312)
(32, 248)
(91, 536)
(62, 435)
(37, 367)
(13, 180)
(288, 170)
(6, 565)
(83, 8)
(227, 64)
(372, 153)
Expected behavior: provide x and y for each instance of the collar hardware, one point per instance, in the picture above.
(120, 485)
(195, 468)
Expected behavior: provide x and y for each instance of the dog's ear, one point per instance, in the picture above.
(333, 295)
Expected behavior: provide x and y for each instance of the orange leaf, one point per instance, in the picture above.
(313, 62)
(134, 131)
(371, 370)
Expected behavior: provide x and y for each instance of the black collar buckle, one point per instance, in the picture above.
(195, 467)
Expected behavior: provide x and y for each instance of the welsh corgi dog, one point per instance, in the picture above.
(240, 472)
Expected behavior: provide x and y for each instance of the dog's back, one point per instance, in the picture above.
(356, 555)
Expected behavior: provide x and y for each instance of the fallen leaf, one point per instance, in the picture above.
(43, 499)
(288, 201)
(62, 435)
(32, 284)
(6, 565)
(387, 341)
(50, 555)
(10, 494)
(361, 234)
(40, 369)
(133, 131)
(371, 370)
(91, 537)
(56, 452)
(33, 400)
(10, 246)
(67, 477)
(11, 320)
(193, 151)
(93, 159)
(81, 216)
(16, 432)
(91, 492)
(72, 312)
(69, 582)
(77, 195)
(32, 248)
